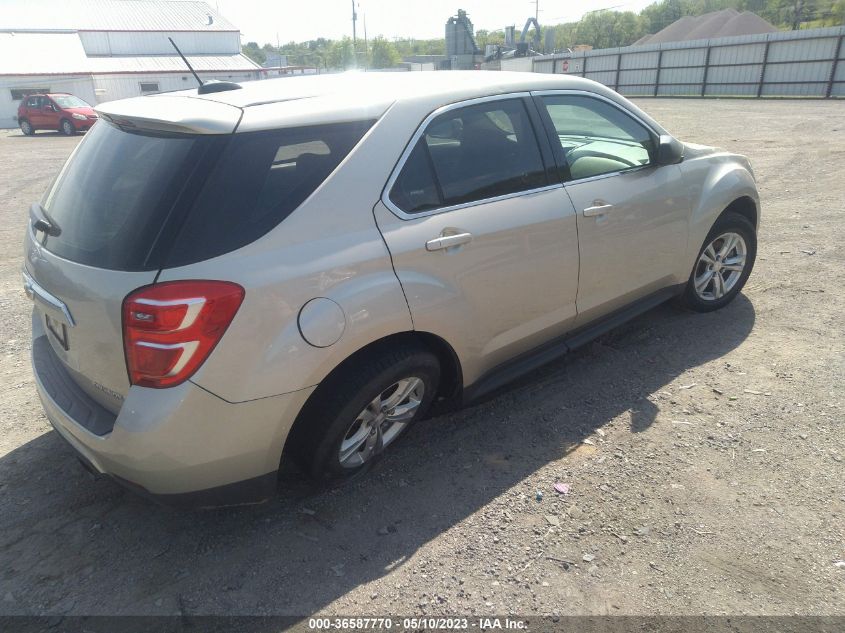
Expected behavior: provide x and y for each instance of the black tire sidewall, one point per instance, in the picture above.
(325, 465)
(67, 128)
(728, 222)
(26, 125)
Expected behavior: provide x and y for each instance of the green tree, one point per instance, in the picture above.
(837, 13)
(787, 14)
(600, 29)
(405, 46)
(383, 54)
(483, 38)
(251, 50)
(340, 54)
(609, 29)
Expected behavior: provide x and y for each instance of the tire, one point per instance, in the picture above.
(26, 127)
(342, 402)
(707, 297)
(66, 128)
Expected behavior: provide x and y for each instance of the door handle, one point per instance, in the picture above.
(600, 209)
(448, 241)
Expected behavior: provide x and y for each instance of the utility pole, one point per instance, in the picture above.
(279, 53)
(366, 44)
(354, 19)
(354, 37)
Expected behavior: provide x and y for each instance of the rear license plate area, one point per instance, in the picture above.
(58, 330)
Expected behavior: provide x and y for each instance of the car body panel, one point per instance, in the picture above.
(510, 289)
(182, 439)
(94, 297)
(635, 247)
(329, 247)
(714, 178)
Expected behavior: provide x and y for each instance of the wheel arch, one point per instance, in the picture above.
(451, 375)
(744, 206)
(726, 188)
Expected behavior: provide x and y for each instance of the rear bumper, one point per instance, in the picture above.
(182, 445)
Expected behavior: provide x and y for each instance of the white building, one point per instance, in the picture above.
(101, 50)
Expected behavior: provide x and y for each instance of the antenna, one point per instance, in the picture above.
(187, 63)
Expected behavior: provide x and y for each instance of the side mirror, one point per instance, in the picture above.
(669, 150)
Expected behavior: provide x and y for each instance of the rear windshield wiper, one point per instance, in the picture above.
(41, 221)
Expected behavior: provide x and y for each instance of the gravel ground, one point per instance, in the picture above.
(704, 452)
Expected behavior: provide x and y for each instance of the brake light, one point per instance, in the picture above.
(169, 329)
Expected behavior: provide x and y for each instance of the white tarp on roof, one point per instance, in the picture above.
(112, 15)
(62, 54)
(41, 53)
(170, 63)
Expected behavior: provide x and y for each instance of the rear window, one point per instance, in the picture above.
(113, 196)
(260, 179)
(132, 201)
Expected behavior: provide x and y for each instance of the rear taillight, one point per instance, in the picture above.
(169, 329)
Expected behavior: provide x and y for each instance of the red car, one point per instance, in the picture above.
(56, 111)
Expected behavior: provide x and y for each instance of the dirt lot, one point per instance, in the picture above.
(704, 452)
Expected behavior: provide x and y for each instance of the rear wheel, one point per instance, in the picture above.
(26, 128)
(363, 410)
(67, 128)
(723, 265)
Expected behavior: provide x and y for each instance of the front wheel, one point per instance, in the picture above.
(723, 265)
(67, 128)
(363, 410)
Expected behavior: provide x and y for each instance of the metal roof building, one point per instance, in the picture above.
(101, 50)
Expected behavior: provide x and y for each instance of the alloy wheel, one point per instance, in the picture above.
(381, 422)
(720, 266)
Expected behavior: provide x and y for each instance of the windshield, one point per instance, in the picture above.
(69, 101)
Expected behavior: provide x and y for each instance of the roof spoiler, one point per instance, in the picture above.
(171, 113)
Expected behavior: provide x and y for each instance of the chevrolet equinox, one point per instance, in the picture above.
(303, 265)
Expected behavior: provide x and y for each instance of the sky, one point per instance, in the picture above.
(299, 20)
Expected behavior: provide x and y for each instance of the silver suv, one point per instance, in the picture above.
(302, 266)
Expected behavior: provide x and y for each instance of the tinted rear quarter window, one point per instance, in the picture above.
(260, 179)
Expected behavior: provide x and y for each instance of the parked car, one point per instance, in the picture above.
(55, 111)
(302, 266)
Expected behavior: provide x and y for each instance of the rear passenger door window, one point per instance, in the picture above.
(596, 138)
(469, 154)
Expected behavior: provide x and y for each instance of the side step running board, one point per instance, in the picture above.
(553, 350)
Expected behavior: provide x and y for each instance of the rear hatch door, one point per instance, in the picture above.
(102, 231)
